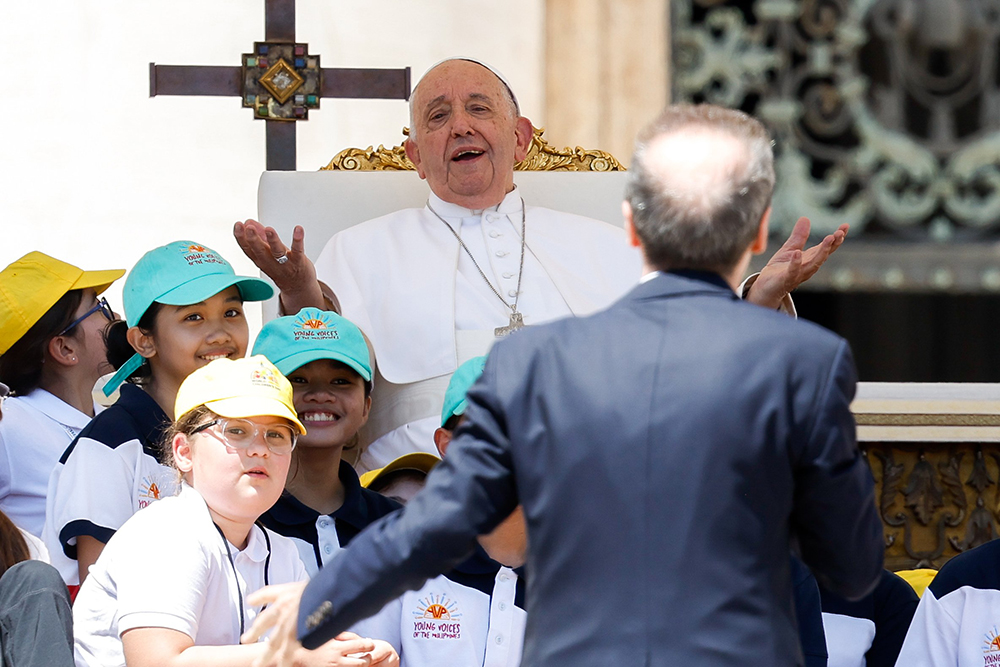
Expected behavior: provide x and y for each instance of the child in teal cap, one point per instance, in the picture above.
(326, 359)
(183, 309)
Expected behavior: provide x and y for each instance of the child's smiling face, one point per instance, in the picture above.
(330, 400)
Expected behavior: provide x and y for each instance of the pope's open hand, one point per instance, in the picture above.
(281, 616)
(792, 265)
(292, 272)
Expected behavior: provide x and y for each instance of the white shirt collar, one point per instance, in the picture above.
(511, 204)
(649, 276)
(56, 409)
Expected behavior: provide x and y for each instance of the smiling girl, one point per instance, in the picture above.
(170, 589)
(183, 308)
(326, 359)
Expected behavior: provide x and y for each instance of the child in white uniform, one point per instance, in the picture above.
(183, 308)
(475, 614)
(51, 354)
(171, 585)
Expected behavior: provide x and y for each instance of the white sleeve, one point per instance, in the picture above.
(932, 640)
(94, 493)
(787, 304)
(150, 592)
(385, 625)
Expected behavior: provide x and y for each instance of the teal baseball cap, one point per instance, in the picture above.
(180, 274)
(293, 341)
(463, 378)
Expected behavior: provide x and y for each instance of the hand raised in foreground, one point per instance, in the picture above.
(281, 616)
(792, 265)
(292, 272)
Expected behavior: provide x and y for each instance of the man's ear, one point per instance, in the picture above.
(413, 152)
(630, 234)
(141, 342)
(760, 242)
(442, 438)
(181, 446)
(63, 350)
(524, 131)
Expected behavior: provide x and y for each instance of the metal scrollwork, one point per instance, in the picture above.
(924, 498)
(541, 157)
(886, 113)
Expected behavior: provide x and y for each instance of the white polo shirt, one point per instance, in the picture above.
(109, 472)
(447, 623)
(34, 433)
(168, 567)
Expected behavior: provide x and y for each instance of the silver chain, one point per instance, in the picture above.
(520, 270)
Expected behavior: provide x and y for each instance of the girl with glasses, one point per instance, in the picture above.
(171, 586)
(183, 309)
(51, 353)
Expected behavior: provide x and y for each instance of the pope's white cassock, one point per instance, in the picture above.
(407, 283)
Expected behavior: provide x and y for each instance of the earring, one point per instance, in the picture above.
(74, 359)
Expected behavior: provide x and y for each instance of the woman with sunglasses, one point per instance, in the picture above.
(52, 351)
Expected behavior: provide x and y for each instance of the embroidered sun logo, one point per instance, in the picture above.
(437, 607)
(991, 641)
(315, 322)
(196, 248)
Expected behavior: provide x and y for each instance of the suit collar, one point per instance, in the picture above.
(683, 283)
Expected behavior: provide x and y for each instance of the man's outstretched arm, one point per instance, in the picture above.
(466, 495)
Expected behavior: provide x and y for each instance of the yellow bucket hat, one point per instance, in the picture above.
(33, 284)
(238, 388)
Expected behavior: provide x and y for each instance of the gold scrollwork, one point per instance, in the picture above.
(541, 157)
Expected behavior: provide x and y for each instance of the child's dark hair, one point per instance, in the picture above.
(21, 365)
(187, 422)
(120, 350)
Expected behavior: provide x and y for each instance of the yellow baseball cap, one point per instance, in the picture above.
(33, 284)
(238, 388)
(416, 461)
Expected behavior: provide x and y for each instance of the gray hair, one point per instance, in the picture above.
(509, 98)
(703, 217)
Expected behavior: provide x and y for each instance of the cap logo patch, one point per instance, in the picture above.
(314, 328)
(199, 254)
(265, 377)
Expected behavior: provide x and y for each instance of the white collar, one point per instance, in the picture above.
(256, 549)
(55, 408)
(646, 277)
(511, 204)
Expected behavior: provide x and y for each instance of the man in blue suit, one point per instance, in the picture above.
(667, 452)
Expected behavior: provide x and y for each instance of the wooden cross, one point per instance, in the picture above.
(280, 81)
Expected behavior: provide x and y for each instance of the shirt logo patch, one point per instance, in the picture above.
(991, 648)
(437, 617)
(149, 491)
(318, 327)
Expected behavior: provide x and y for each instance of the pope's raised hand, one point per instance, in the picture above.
(792, 265)
(292, 272)
(281, 617)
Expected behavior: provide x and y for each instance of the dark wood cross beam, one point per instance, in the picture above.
(280, 81)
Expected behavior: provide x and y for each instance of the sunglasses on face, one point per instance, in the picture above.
(241, 433)
(101, 305)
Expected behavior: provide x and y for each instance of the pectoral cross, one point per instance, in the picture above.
(280, 81)
(516, 322)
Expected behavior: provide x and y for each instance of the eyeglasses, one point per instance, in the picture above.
(101, 305)
(241, 433)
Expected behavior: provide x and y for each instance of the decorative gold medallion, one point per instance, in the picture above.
(281, 80)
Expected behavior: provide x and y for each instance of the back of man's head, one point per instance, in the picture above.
(700, 181)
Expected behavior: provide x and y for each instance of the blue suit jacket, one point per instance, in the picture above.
(667, 451)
